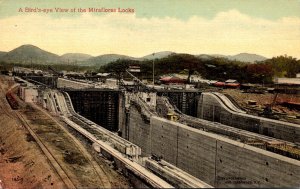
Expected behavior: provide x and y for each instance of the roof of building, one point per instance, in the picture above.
(103, 74)
(231, 81)
(284, 80)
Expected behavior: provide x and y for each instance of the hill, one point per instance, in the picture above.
(106, 58)
(74, 57)
(205, 56)
(30, 54)
(157, 55)
(2, 53)
(246, 57)
(242, 57)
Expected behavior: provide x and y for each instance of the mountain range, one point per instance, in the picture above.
(242, 57)
(28, 54)
(73, 57)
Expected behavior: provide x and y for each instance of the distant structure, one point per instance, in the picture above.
(172, 79)
(288, 81)
(134, 68)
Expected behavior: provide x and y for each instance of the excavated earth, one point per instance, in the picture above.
(286, 114)
(24, 165)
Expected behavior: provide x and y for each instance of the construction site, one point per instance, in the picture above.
(60, 132)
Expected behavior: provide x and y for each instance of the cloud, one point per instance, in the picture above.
(228, 32)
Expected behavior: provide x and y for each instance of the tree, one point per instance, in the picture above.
(258, 73)
(284, 66)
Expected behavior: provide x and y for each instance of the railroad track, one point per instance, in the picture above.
(50, 157)
(102, 174)
(57, 167)
(14, 114)
(133, 166)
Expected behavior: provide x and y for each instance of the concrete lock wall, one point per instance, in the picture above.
(138, 131)
(66, 83)
(212, 109)
(100, 106)
(216, 160)
(28, 94)
(50, 81)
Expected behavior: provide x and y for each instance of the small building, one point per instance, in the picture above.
(195, 78)
(103, 74)
(232, 83)
(287, 81)
(111, 82)
(133, 68)
(28, 94)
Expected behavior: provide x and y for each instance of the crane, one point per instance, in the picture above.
(268, 110)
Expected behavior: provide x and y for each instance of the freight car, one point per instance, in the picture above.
(12, 101)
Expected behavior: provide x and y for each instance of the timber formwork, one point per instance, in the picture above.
(100, 106)
(185, 101)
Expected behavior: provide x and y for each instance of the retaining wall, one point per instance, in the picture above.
(213, 109)
(216, 160)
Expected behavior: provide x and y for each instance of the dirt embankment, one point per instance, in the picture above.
(22, 164)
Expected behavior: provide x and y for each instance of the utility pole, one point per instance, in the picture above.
(31, 63)
(153, 70)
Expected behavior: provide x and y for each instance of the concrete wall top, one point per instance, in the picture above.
(224, 139)
(220, 103)
(66, 83)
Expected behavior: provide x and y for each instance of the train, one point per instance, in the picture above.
(11, 99)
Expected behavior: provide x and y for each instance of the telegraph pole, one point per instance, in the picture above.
(153, 70)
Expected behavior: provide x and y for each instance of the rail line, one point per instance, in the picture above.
(62, 174)
(100, 171)
(142, 172)
(102, 175)
(14, 114)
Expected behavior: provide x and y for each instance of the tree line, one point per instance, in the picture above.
(213, 68)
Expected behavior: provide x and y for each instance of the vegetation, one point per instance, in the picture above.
(209, 68)
(59, 67)
(214, 68)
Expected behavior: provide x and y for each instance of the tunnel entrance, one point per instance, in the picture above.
(99, 106)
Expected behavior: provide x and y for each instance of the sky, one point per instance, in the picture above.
(266, 27)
